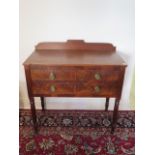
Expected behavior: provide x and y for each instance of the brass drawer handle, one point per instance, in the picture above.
(97, 89)
(53, 88)
(97, 76)
(52, 76)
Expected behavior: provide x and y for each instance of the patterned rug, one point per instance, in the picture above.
(76, 133)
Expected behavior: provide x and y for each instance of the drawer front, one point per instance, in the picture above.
(84, 82)
(96, 89)
(108, 74)
(52, 88)
(53, 74)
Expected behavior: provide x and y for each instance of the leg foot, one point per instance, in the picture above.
(107, 104)
(42, 103)
(33, 111)
(115, 115)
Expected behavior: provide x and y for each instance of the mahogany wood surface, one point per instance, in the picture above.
(75, 45)
(74, 58)
(74, 69)
(75, 53)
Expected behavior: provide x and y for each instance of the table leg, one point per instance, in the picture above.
(33, 111)
(42, 103)
(107, 104)
(115, 115)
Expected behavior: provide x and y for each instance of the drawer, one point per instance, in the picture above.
(106, 74)
(53, 74)
(95, 89)
(52, 88)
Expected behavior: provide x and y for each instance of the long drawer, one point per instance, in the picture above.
(74, 89)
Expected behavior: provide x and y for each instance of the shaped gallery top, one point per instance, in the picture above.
(75, 53)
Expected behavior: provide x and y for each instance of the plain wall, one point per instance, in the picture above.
(91, 20)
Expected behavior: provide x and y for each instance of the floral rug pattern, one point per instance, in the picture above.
(76, 133)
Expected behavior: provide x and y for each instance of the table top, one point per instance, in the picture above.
(70, 57)
(49, 54)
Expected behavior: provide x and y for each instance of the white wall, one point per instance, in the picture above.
(91, 20)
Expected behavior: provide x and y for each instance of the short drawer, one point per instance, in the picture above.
(52, 73)
(95, 89)
(52, 88)
(106, 74)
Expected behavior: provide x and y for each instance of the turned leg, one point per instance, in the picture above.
(33, 111)
(115, 115)
(107, 104)
(42, 103)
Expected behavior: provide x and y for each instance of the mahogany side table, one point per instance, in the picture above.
(74, 69)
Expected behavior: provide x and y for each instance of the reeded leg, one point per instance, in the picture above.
(42, 103)
(115, 115)
(107, 104)
(33, 110)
